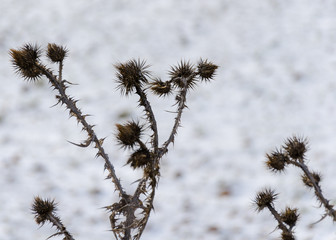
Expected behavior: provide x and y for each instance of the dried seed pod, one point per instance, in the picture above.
(287, 236)
(129, 134)
(290, 216)
(139, 158)
(316, 176)
(183, 75)
(131, 74)
(43, 209)
(265, 198)
(161, 88)
(206, 70)
(56, 53)
(276, 161)
(25, 61)
(296, 147)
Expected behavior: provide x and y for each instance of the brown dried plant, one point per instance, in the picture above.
(293, 153)
(129, 216)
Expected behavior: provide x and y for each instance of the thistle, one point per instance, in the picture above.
(130, 213)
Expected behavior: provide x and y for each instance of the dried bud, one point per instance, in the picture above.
(56, 53)
(296, 147)
(290, 216)
(43, 209)
(131, 74)
(183, 75)
(161, 88)
(129, 134)
(265, 198)
(139, 158)
(316, 176)
(25, 61)
(206, 70)
(287, 236)
(276, 161)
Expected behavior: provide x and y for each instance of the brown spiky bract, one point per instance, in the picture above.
(26, 60)
(265, 198)
(56, 53)
(206, 69)
(290, 216)
(129, 134)
(276, 161)
(131, 74)
(130, 213)
(296, 147)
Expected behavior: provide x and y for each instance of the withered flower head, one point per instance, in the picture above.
(129, 134)
(43, 209)
(56, 53)
(296, 147)
(276, 161)
(183, 75)
(287, 236)
(25, 61)
(206, 70)
(131, 74)
(265, 198)
(161, 88)
(290, 216)
(316, 176)
(139, 158)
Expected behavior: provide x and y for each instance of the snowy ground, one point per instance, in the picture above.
(277, 77)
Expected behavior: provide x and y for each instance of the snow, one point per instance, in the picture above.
(276, 78)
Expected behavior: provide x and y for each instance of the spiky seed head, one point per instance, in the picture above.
(316, 176)
(183, 75)
(276, 161)
(129, 133)
(290, 216)
(25, 61)
(131, 74)
(287, 236)
(139, 158)
(161, 88)
(206, 70)
(265, 198)
(296, 147)
(56, 53)
(43, 209)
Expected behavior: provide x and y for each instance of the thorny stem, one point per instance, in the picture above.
(60, 70)
(149, 112)
(59, 225)
(59, 85)
(276, 215)
(181, 98)
(317, 188)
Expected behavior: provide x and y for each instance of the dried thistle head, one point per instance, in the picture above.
(161, 88)
(25, 61)
(43, 209)
(290, 216)
(265, 198)
(316, 176)
(206, 69)
(56, 53)
(131, 74)
(139, 158)
(276, 161)
(296, 147)
(183, 75)
(287, 236)
(129, 134)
